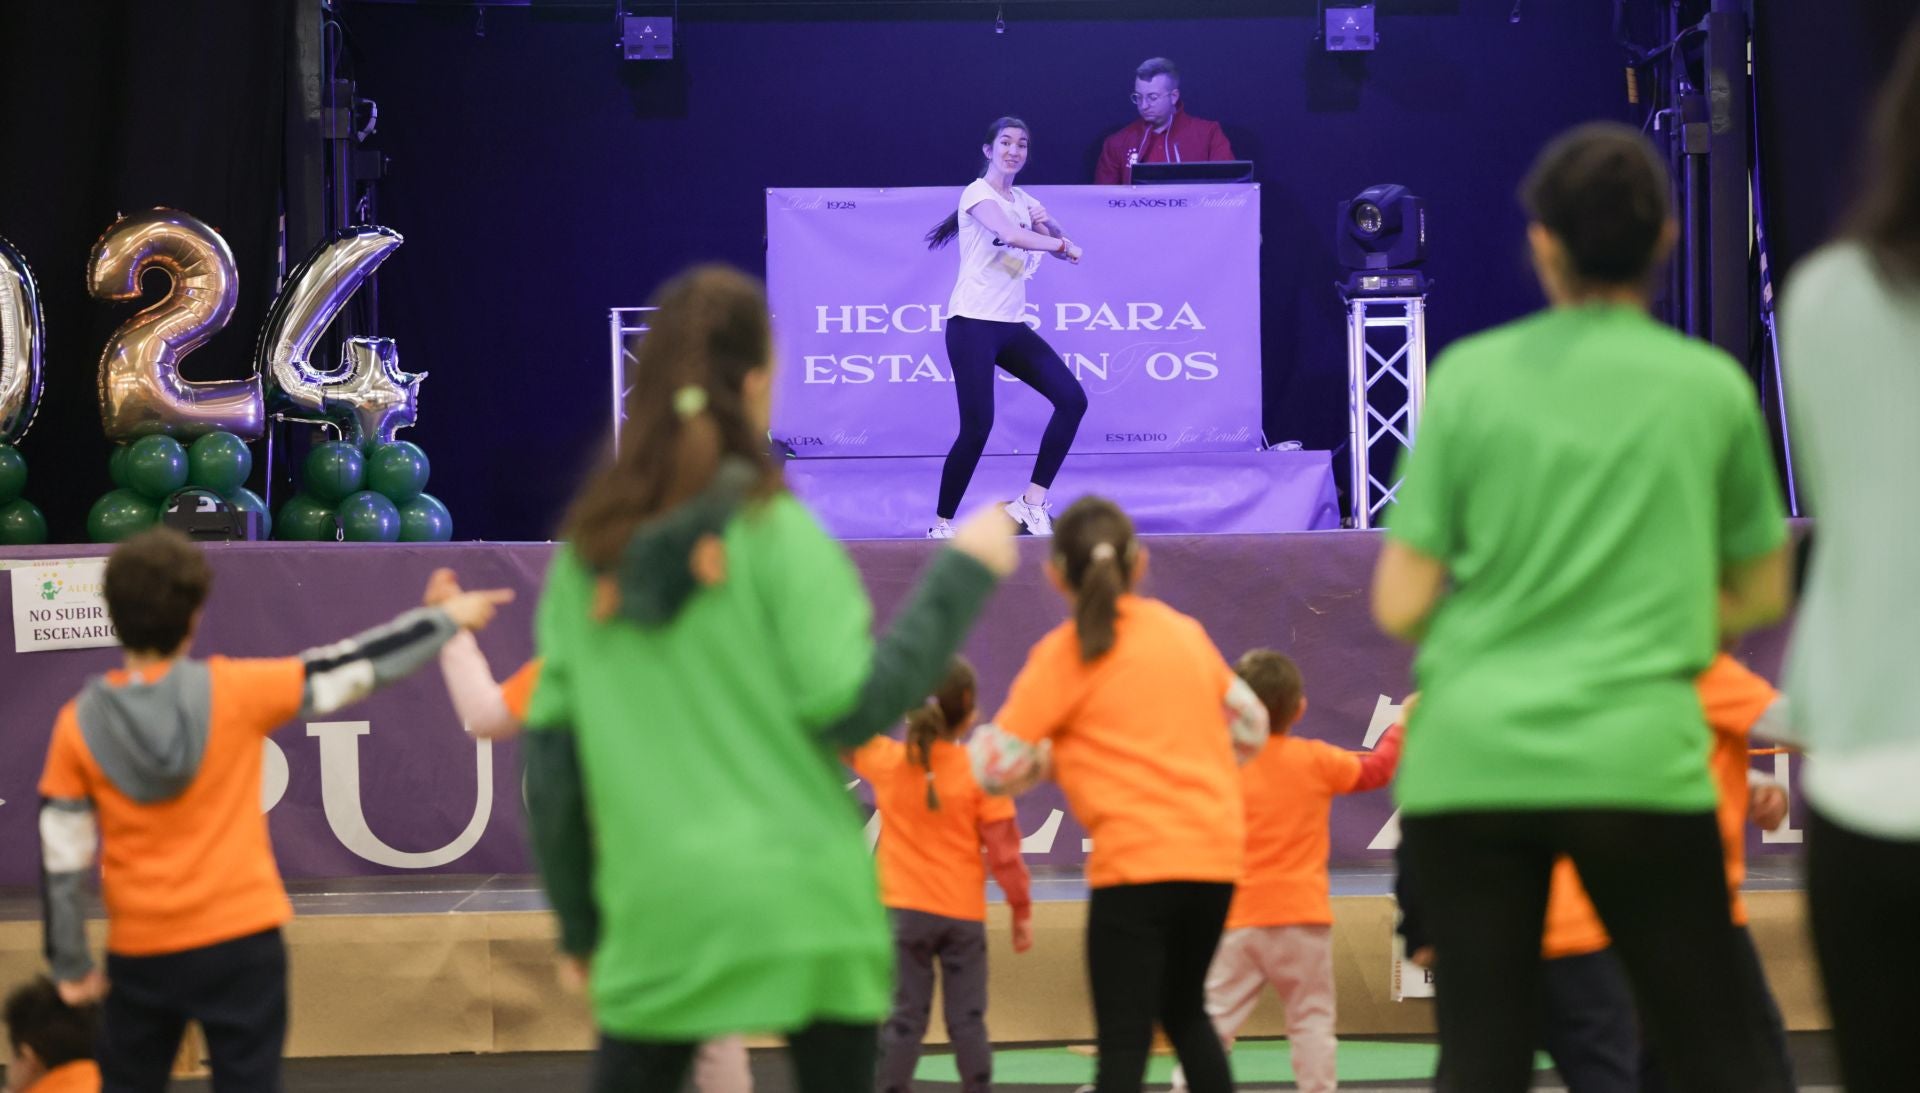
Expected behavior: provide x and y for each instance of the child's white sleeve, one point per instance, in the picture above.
(476, 697)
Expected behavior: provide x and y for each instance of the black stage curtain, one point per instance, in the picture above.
(107, 107)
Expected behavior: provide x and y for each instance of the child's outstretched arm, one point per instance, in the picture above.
(478, 700)
(1004, 764)
(1247, 720)
(1002, 841)
(345, 672)
(1378, 765)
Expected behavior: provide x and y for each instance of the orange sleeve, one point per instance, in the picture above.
(263, 693)
(1038, 701)
(1733, 696)
(876, 758)
(65, 776)
(1339, 768)
(995, 809)
(517, 691)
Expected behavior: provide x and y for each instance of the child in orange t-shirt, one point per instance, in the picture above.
(935, 823)
(1588, 1024)
(51, 1042)
(1141, 721)
(1583, 983)
(156, 768)
(1280, 927)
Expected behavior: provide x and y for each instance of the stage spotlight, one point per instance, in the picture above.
(1382, 234)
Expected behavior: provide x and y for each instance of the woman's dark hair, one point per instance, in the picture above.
(155, 582)
(944, 232)
(1601, 189)
(1887, 219)
(1097, 576)
(686, 411)
(944, 711)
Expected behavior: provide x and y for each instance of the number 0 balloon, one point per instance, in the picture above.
(22, 345)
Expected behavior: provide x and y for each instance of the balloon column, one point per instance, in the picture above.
(173, 434)
(151, 469)
(366, 487)
(22, 346)
(146, 406)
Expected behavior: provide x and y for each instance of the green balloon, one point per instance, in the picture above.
(219, 462)
(425, 520)
(117, 463)
(334, 470)
(21, 524)
(156, 466)
(120, 513)
(13, 473)
(397, 471)
(306, 519)
(367, 517)
(246, 500)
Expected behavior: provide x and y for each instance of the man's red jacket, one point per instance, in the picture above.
(1187, 140)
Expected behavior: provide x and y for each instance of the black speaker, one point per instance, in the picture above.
(205, 516)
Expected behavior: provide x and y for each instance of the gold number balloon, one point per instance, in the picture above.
(22, 345)
(141, 389)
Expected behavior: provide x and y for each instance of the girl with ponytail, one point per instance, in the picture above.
(704, 645)
(1002, 233)
(1133, 711)
(936, 823)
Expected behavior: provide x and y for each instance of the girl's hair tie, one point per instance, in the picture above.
(690, 401)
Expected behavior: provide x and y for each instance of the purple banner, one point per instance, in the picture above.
(394, 786)
(1161, 321)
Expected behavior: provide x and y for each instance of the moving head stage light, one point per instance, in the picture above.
(1382, 235)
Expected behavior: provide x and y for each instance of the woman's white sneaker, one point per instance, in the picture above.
(1033, 519)
(941, 530)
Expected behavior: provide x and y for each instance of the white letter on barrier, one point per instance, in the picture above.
(273, 776)
(340, 798)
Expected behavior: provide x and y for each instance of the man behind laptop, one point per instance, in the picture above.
(1165, 132)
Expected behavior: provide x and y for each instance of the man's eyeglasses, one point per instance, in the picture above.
(1151, 98)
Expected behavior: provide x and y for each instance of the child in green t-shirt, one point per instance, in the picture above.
(706, 654)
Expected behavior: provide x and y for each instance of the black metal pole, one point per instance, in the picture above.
(1729, 219)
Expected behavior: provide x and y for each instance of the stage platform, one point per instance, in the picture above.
(449, 964)
(1170, 493)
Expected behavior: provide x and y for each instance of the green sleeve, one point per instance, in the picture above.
(557, 820)
(849, 687)
(1425, 513)
(1753, 522)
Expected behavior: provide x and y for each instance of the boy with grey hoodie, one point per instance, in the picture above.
(156, 768)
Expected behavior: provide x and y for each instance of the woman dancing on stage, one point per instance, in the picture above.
(986, 326)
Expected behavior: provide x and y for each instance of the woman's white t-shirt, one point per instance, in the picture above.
(993, 279)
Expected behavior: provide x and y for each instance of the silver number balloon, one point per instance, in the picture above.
(377, 397)
(22, 345)
(141, 389)
(315, 292)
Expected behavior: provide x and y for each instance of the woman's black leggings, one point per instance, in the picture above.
(974, 347)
